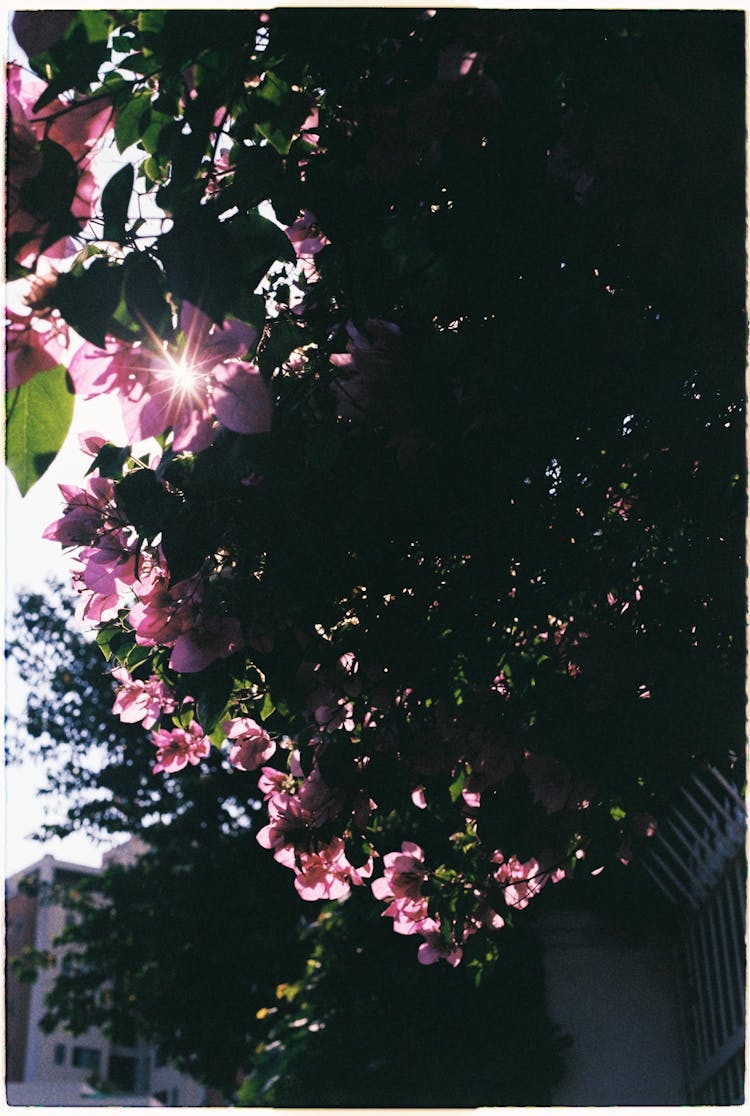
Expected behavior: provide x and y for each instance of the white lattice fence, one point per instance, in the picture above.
(698, 861)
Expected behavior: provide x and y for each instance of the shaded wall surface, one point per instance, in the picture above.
(618, 1001)
(20, 931)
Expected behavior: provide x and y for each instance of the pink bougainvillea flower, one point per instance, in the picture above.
(294, 817)
(551, 781)
(89, 512)
(164, 611)
(109, 548)
(408, 914)
(309, 128)
(401, 887)
(521, 881)
(365, 391)
(319, 802)
(306, 237)
(455, 62)
(90, 442)
(211, 638)
(91, 607)
(110, 564)
(141, 700)
(187, 390)
(32, 344)
(75, 127)
(286, 821)
(273, 783)
(418, 798)
(327, 874)
(177, 747)
(434, 949)
(643, 824)
(251, 744)
(404, 873)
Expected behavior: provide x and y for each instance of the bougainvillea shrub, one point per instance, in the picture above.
(427, 330)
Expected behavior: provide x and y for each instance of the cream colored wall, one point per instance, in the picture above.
(618, 1000)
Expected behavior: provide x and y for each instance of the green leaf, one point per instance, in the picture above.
(457, 785)
(278, 112)
(213, 696)
(121, 644)
(87, 299)
(153, 170)
(104, 638)
(38, 418)
(268, 708)
(151, 21)
(258, 175)
(144, 295)
(115, 202)
(217, 736)
(50, 193)
(71, 63)
(128, 126)
(234, 256)
(97, 24)
(137, 655)
(260, 242)
(158, 136)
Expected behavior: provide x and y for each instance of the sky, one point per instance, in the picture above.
(28, 561)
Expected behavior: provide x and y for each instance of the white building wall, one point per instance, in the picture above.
(618, 1001)
(50, 1058)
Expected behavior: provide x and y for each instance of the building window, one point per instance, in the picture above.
(86, 1057)
(60, 1054)
(122, 1072)
(175, 1097)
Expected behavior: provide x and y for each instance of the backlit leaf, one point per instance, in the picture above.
(38, 417)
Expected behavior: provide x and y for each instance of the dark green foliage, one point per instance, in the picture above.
(190, 943)
(186, 946)
(389, 1033)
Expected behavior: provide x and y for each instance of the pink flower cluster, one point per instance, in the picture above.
(522, 881)
(188, 389)
(108, 547)
(170, 615)
(118, 570)
(307, 240)
(141, 699)
(365, 390)
(178, 747)
(75, 127)
(298, 807)
(251, 744)
(33, 344)
(330, 694)
(401, 887)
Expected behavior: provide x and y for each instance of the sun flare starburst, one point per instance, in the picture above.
(186, 379)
